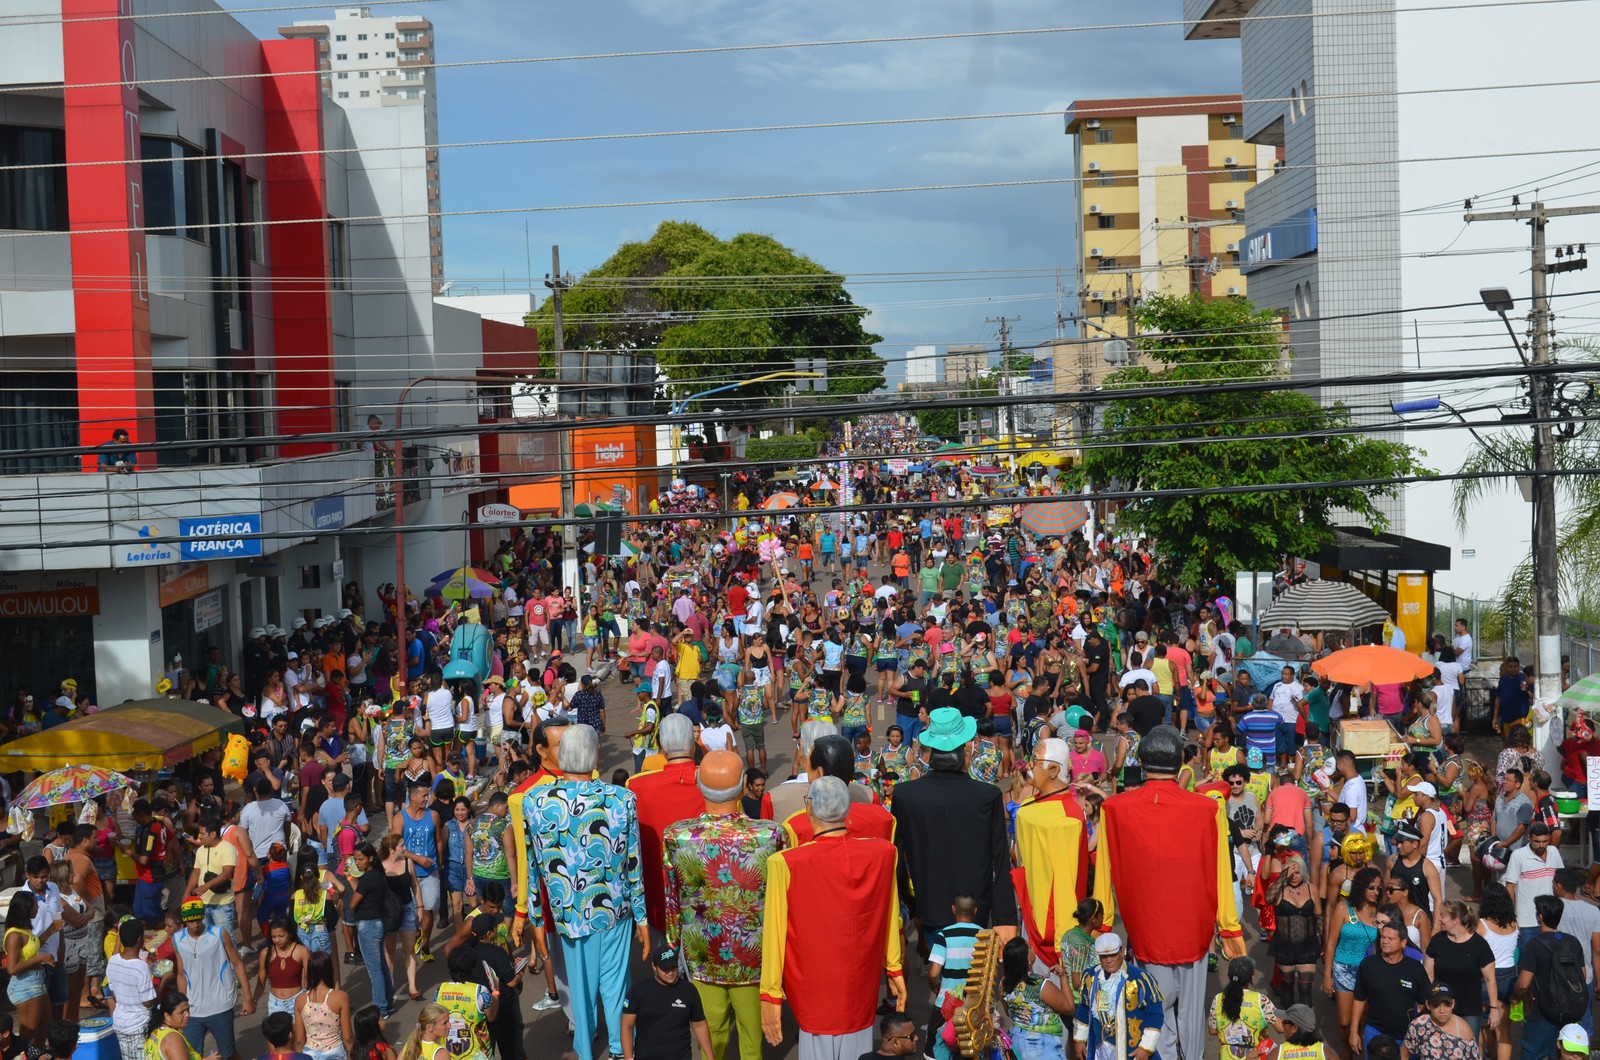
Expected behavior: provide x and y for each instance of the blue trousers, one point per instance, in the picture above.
(910, 725)
(147, 901)
(597, 972)
(369, 934)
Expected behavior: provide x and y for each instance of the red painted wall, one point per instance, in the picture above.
(296, 189)
(112, 298)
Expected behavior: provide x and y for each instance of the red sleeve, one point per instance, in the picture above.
(766, 806)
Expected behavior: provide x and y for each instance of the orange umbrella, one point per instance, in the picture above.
(1375, 664)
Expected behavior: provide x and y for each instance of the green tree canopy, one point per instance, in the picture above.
(1211, 536)
(717, 310)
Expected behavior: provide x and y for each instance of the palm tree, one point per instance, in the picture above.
(1502, 458)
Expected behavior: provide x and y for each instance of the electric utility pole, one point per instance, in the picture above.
(1547, 596)
(558, 285)
(1004, 324)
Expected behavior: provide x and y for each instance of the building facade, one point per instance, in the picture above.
(1161, 190)
(963, 364)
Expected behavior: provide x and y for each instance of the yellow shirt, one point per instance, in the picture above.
(689, 662)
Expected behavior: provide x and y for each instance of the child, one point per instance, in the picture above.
(274, 886)
(716, 734)
(865, 765)
(851, 707)
(129, 975)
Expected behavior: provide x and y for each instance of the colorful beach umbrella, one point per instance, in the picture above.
(470, 572)
(781, 500)
(461, 587)
(1054, 518)
(70, 784)
(1376, 664)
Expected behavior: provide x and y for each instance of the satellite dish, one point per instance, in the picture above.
(1116, 351)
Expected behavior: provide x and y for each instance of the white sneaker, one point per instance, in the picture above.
(546, 1003)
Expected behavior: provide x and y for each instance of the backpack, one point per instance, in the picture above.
(1562, 993)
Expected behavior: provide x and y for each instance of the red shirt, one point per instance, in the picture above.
(737, 597)
(866, 821)
(664, 798)
(1182, 664)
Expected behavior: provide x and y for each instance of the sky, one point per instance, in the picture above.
(959, 231)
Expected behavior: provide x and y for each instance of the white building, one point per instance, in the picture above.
(383, 62)
(923, 365)
(1356, 236)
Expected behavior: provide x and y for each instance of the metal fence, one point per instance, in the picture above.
(1504, 628)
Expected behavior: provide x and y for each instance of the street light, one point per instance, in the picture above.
(1499, 300)
(682, 406)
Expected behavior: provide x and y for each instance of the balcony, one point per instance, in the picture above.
(97, 509)
(424, 41)
(420, 59)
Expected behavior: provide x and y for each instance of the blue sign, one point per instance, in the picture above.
(220, 537)
(327, 513)
(1293, 237)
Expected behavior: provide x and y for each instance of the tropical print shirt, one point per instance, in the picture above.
(488, 847)
(583, 845)
(716, 894)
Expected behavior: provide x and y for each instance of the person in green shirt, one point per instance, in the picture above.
(1317, 703)
(1243, 647)
(928, 581)
(951, 574)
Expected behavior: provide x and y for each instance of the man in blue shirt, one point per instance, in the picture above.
(1258, 728)
(826, 544)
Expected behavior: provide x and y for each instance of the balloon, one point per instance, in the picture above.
(236, 758)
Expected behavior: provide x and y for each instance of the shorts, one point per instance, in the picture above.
(391, 788)
(79, 953)
(761, 676)
(1286, 735)
(280, 1004)
(888, 666)
(727, 675)
(429, 886)
(1344, 977)
(455, 877)
(220, 1024)
(1002, 725)
(408, 917)
(591, 642)
(442, 737)
(610, 629)
(315, 938)
(29, 986)
(539, 634)
(755, 736)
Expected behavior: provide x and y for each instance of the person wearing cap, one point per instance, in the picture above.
(1119, 1015)
(1572, 1043)
(663, 1014)
(1298, 1025)
(1438, 1033)
(1052, 839)
(1389, 986)
(211, 972)
(664, 797)
(831, 931)
(1149, 837)
(1240, 1016)
(1410, 868)
(582, 841)
(952, 832)
(716, 876)
(643, 738)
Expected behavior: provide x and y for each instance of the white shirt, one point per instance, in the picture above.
(441, 708)
(130, 981)
(1445, 691)
(263, 821)
(1532, 877)
(513, 605)
(717, 738)
(1353, 794)
(1148, 676)
(1284, 698)
(1462, 642)
(471, 709)
(753, 614)
(47, 912)
(886, 592)
(661, 679)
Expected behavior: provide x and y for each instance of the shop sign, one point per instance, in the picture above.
(180, 583)
(208, 611)
(141, 545)
(220, 537)
(499, 513)
(609, 454)
(51, 603)
(327, 513)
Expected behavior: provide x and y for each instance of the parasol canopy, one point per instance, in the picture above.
(146, 734)
(781, 500)
(1054, 518)
(461, 587)
(1583, 695)
(1376, 664)
(1322, 605)
(76, 783)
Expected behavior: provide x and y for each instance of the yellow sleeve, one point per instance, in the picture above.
(892, 958)
(1227, 911)
(519, 853)
(1102, 874)
(791, 837)
(775, 929)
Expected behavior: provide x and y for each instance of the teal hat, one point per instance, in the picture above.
(644, 689)
(948, 729)
(1254, 759)
(1078, 718)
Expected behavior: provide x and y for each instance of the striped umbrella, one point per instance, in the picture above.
(1054, 518)
(781, 500)
(1318, 605)
(1583, 695)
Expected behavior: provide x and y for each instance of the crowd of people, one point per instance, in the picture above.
(1049, 738)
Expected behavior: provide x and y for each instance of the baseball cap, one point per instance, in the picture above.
(1441, 992)
(643, 690)
(665, 957)
(1407, 830)
(1301, 1016)
(1425, 788)
(1574, 1039)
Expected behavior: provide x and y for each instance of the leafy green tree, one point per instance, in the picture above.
(717, 310)
(1191, 341)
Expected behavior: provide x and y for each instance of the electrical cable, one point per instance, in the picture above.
(7, 21)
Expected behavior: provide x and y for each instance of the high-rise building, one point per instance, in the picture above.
(384, 62)
(922, 365)
(1161, 188)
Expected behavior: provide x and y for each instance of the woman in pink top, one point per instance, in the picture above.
(1086, 760)
(638, 649)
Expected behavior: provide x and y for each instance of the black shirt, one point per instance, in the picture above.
(370, 886)
(951, 832)
(492, 958)
(1392, 992)
(751, 805)
(1145, 713)
(663, 1014)
(1098, 651)
(1459, 965)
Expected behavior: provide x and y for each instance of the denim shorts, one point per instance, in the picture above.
(315, 937)
(455, 877)
(1344, 977)
(26, 987)
(408, 917)
(281, 1004)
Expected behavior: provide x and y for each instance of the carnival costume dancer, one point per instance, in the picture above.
(1119, 1016)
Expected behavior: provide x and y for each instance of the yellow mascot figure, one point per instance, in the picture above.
(236, 758)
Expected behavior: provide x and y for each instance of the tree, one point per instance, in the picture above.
(1504, 456)
(714, 311)
(1209, 536)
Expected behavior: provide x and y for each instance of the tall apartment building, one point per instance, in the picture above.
(384, 63)
(1358, 233)
(1161, 186)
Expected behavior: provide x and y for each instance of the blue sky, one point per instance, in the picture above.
(1023, 228)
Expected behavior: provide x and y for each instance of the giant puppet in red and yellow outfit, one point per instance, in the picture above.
(1164, 858)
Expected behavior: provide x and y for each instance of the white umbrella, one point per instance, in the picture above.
(1322, 605)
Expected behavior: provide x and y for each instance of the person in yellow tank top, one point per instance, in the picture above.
(168, 1017)
(428, 1040)
(1298, 1025)
(1222, 753)
(1240, 1017)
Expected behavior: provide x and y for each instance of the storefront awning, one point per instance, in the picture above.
(146, 734)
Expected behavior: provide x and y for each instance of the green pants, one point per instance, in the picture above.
(726, 1005)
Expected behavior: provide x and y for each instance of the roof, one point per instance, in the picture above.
(1149, 106)
(1360, 549)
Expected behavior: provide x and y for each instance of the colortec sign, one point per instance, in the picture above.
(499, 513)
(219, 537)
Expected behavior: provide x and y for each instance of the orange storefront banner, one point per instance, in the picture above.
(51, 603)
(184, 582)
(603, 458)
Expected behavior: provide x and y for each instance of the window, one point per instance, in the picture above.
(1107, 220)
(342, 56)
(33, 200)
(365, 74)
(1107, 308)
(388, 36)
(341, 75)
(337, 254)
(412, 93)
(1106, 264)
(38, 410)
(361, 55)
(1104, 136)
(338, 36)
(344, 95)
(413, 75)
(1241, 176)
(182, 413)
(388, 55)
(410, 35)
(255, 204)
(1105, 180)
(174, 187)
(361, 36)
(365, 94)
(311, 577)
(1305, 94)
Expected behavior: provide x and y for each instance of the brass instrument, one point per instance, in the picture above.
(974, 1020)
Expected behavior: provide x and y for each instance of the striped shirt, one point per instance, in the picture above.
(951, 948)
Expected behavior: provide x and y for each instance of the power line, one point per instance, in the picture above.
(7, 21)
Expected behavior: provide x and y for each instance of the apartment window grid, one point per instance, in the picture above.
(1106, 220)
(338, 36)
(1104, 136)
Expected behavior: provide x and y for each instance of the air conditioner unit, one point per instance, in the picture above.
(1230, 161)
(1094, 167)
(1234, 290)
(1233, 248)
(1094, 209)
(1092, 123)
(1097, 252)
(1232, 204)
(1230, 119)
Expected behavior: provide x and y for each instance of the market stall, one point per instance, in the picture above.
(139, 736)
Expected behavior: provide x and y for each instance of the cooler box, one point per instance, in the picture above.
(96, 1040)
(1366, 739)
